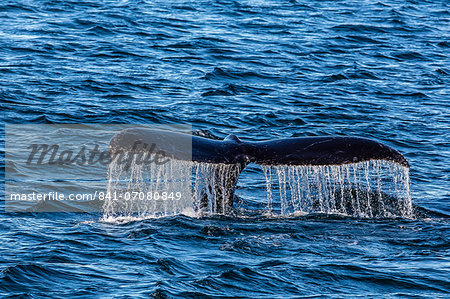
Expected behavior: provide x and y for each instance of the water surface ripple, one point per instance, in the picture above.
(258, 69)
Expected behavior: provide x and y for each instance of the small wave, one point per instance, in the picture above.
(100, 30)
(32, 273)
(215, 231)
(219, 73)
(363, 39)
(232, 89)
(411, 94)
(356, 74)
(409, 55)
(18, 8)
(360, 28)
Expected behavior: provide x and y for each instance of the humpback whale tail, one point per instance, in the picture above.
(331, 150)
(308, 151)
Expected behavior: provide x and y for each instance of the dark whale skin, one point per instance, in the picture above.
(332, 150)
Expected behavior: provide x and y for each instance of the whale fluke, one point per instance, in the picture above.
(331, 150)
(322, 151)
(238, 153)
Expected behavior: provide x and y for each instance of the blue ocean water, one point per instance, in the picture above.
(257, 69)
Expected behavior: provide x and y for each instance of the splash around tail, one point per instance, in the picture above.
(334, 175)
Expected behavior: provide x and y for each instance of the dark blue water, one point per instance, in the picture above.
(257, 69)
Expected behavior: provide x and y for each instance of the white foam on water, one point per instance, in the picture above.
(367, 189)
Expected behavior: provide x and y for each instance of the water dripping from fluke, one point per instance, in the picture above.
(194, 189)
(371, 189)
(303, 176)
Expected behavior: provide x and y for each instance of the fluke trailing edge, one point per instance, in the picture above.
(331, 150)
